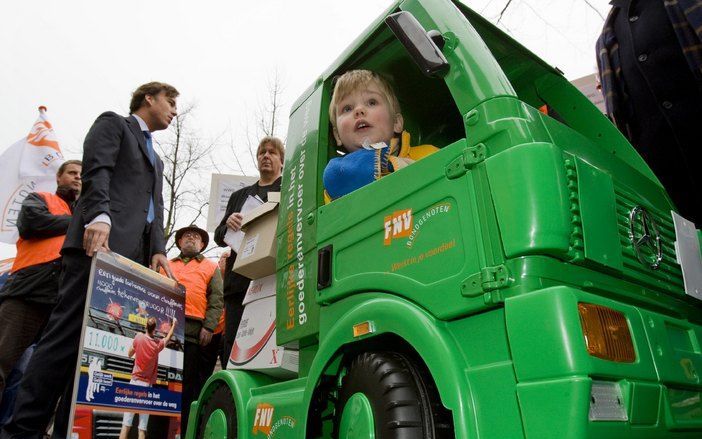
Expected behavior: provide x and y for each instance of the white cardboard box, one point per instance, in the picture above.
(255, 347)
(256, 256)
(260, 288)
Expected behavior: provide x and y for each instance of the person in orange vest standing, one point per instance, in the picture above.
(30, 293)
(202, 280)
(215, 349)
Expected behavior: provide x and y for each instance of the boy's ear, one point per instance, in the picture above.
(399, 123)
(336, 136)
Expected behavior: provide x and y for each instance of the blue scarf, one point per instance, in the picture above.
(345, 174)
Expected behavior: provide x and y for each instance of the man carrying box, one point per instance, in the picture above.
(270, 157)
(203, 307)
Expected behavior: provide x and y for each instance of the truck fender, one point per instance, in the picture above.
(428, 336)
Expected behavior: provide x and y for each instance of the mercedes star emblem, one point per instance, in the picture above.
(645, 238)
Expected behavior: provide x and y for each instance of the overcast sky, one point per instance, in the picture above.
(82, 57)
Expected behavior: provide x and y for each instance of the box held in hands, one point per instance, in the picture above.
(256, 256)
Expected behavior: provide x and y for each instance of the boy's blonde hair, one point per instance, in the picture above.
(355, 79)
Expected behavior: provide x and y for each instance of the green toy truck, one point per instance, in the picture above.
(521, 282)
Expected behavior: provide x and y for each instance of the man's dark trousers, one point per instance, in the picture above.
(56, 349)
(198, 365)
(234, 311)
(192, 362)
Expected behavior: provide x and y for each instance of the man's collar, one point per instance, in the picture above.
(619, 3)
(142, 124)
(67, 194)
(198, 257)
(269, 184)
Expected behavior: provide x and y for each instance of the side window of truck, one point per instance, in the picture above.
(429, 111)
(430, 114)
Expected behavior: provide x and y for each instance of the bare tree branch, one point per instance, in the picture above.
(263, 121)
(266, 116)
(185, 154)
(236, 156)
(503, 11)
(594, 9)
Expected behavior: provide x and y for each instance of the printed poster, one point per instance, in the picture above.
(221, 188)
(129, 317)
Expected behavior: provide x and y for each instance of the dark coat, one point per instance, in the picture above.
(645, 54)
(234, 283)
(119, 179)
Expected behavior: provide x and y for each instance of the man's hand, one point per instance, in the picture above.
(159, 261)
(205, 337)
(234, 221)
(96, 238)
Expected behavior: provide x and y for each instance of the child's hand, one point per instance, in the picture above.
(234, 221)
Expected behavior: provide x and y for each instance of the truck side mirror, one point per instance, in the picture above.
(421, 45)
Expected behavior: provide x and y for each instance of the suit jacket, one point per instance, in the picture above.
(119, 179)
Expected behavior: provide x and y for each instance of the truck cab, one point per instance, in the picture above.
(520, 282)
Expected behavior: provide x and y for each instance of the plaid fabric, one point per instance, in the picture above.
(608, 65)
(686, 19)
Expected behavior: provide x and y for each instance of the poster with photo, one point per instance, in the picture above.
(130, 365)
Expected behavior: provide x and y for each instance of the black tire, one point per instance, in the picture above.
(403, 399)
(220, 399)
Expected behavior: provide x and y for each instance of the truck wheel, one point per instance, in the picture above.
(217, 419)
(384, 396)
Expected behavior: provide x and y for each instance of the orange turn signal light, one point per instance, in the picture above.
(364, 328)
(607, 333)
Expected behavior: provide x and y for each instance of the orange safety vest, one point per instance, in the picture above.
(195, 276)
(41, 250)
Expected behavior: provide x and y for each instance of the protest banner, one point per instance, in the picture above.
(221, 188)
(29, 165)
(122, 297)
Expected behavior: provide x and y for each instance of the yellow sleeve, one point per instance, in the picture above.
(414, 152)
(420, 151)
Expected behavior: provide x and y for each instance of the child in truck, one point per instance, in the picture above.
(367, 123)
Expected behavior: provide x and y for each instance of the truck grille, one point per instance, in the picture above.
(107, 425)
(118, 364)
(668, 276)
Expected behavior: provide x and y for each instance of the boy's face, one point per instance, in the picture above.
(364, 116)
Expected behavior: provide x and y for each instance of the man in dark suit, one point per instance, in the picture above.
(120, 209)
